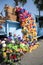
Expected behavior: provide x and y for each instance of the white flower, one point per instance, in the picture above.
(3, 42)
(4, 45)
(13, 41)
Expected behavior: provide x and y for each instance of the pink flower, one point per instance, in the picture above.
(14, 35)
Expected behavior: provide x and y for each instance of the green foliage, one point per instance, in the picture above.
(39, 4)
(36, 1)
(21, 1)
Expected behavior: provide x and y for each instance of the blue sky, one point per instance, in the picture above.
(28, 6)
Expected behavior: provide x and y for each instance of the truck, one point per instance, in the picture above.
(39, 23)
(10, 26)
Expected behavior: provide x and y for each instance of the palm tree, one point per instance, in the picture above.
(21, 1)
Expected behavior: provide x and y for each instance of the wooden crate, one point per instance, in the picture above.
(10, 13)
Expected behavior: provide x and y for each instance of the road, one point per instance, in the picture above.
(35, 57)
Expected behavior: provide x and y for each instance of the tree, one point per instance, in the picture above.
(21, 1)
(39, 4)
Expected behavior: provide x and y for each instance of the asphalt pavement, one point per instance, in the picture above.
(35, 57)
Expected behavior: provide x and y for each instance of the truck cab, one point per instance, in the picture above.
(39, 22)
(10, 26)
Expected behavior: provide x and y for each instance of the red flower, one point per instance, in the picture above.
(11, 57)
(14, 56)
